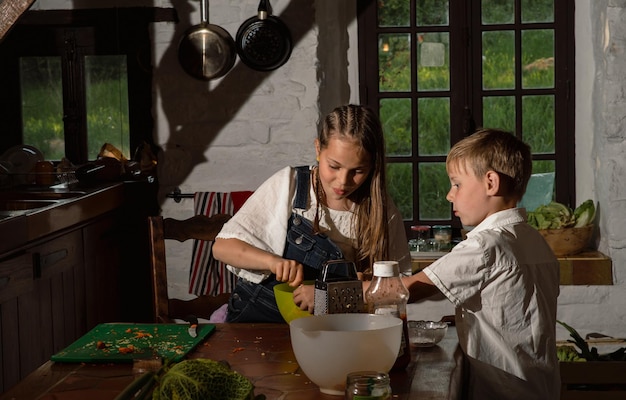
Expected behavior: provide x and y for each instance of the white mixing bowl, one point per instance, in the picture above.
(329, 347)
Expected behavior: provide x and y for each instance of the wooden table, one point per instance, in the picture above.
(261, 352)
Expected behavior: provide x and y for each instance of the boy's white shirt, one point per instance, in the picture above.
(262, 222)
(504, 281)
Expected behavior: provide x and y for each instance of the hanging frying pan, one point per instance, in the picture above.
(206, 51)
(263, 41)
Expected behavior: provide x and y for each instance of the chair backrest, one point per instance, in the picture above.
(201, 227)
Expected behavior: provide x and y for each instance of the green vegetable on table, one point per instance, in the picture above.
(203, 379)
(558, 216)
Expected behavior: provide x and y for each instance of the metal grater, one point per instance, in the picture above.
(345, 297)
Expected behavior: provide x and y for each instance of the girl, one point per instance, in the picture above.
(302, 217)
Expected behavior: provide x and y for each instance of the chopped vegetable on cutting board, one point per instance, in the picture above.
(122, 342)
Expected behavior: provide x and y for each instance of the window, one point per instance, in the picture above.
(436, 69)
(74, 80)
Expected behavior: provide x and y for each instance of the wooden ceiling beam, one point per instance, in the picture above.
(10, 12)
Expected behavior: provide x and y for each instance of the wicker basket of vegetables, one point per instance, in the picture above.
(567, 231)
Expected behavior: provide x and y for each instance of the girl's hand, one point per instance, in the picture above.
(304, 297)
(288, 271)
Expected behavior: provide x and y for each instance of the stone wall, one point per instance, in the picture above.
(601, 168)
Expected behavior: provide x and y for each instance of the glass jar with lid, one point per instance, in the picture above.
(443, 235)
(370, 385)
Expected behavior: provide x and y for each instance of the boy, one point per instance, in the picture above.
(503, 279)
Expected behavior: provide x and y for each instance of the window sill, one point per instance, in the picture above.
(587, 268)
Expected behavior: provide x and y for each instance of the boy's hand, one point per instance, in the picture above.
(304, 297)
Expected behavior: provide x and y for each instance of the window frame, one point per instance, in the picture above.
(72, 34)
(465, 91)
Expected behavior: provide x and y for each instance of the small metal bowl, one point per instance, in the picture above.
(426, 333)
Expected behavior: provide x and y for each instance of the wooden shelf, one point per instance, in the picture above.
(586, 268)
(598, 380)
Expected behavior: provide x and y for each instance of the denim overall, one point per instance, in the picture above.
(251, 302)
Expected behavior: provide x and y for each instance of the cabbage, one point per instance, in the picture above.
(551, 216)
(584, 214)
(557, 216)
(203, 379)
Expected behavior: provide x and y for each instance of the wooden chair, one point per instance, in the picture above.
(201, 227)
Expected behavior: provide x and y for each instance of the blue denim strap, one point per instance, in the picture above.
(303, 179)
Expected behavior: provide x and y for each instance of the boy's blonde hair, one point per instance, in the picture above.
(494, 150)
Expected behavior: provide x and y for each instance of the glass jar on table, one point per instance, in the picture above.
(443, 236)
(368, 385)
(420, 240)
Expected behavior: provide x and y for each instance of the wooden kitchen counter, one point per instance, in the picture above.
(261, 352)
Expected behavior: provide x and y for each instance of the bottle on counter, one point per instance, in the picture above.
(387, 295)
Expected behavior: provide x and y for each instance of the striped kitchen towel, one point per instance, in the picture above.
(208, 276)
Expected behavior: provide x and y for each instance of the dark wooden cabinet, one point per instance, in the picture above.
(42, 304)
(56, 288)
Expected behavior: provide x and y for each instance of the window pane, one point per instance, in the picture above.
(107, 103)
(432, 12)
(538, 123)
(433, 126)
(498, 12)
(394, 13)
(433, 72)
(400, 187)
(499, 112)
(42, 105)
(394, 60)
(395, 115)
(499, 60)
(434, 185)
(540, 189)
(538, 58)
(543, 166)
(537, 11)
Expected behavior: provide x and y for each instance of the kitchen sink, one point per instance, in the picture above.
(24, 200)
(22, 205)
(42, 195)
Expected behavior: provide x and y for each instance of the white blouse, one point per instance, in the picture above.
(262, 222)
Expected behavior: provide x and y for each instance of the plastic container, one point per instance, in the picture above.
(329, 347)
(387, 295)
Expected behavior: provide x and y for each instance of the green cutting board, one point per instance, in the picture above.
(122, 342)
